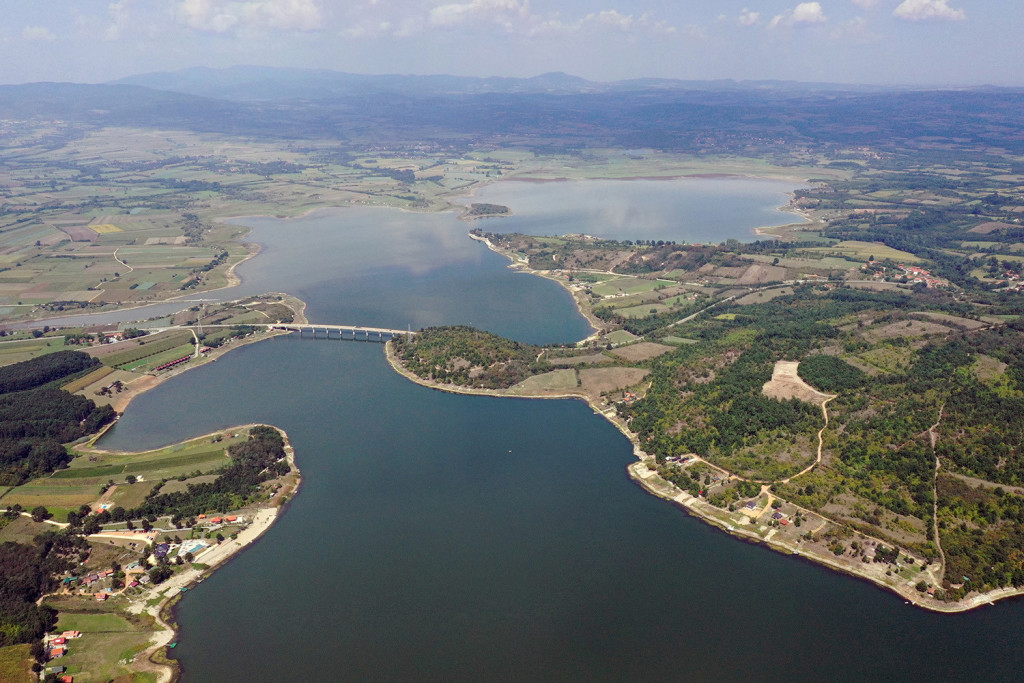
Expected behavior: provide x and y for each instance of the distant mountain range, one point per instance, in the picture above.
(552, 111)
(257, 83)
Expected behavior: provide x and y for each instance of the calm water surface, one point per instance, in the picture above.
(684, 209)
(452, 538)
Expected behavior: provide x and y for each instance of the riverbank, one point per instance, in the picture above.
(160, 600)
(643, 474)
(881, 574)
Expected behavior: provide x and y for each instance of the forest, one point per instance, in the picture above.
(463, 355)
(37, 419)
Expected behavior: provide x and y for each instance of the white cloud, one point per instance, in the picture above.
(221, 16)
(748, 18)
(865, 4)
(805, 13)
(120, 17)
(516, 16)
(922, 10)
(499, 11)
(38, 34)
(857, 31)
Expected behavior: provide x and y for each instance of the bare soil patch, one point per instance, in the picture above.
(786, 384)
(597, 380)
(760, 273)
(641, 351)
(764, 296)
(991, 226)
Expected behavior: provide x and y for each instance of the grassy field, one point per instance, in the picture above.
(628, 285)
(862, 251)
(556, 380)
(621, 337)
(80, 483)
(17, 351)
(16, 664)
(71, 621)
(642, 310)
(96, 656)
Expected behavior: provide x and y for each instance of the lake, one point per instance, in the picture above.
(384, 243)
(683, 209)
(460, 538)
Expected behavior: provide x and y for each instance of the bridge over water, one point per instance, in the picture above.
(322, 330)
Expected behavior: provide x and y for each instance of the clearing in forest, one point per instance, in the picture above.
(786, 384)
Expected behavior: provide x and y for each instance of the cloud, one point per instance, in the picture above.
(120, 17)
(806, 13)
(38, 34)
(222, 16)
(865, 4)
(748, 18)
(516, 16)
(498, 11)
(923, 10)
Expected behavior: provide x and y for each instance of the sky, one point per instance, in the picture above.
(885, 42)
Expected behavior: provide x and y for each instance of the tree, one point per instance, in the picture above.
(40, 513)
(130, 479)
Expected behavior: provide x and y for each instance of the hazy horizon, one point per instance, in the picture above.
(929, 43)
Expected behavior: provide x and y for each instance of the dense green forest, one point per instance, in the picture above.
(36, 419)
(463, 355)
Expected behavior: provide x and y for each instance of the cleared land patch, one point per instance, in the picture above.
(906, 328)
(554, 381)
(605, 380)
(641, 351)
(786, 384)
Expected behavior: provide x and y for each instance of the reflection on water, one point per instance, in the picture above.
(360, 249)
(682, 209)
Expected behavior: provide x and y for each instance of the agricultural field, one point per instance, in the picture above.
(630, 285)
(554, 381)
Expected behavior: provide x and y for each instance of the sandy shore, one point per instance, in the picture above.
(154, 658)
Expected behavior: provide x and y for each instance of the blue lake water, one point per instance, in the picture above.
(684, 209)
(453, 538)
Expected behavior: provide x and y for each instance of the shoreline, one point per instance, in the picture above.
(649, 481)
(909, 594)
(153, 659)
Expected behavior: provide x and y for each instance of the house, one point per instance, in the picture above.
(231, 518)
(216, 520)
(67, 678)
(71, 634)
(751, 504)
(777, 515)
(60, 640)
(101, 596)
(56, 652)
